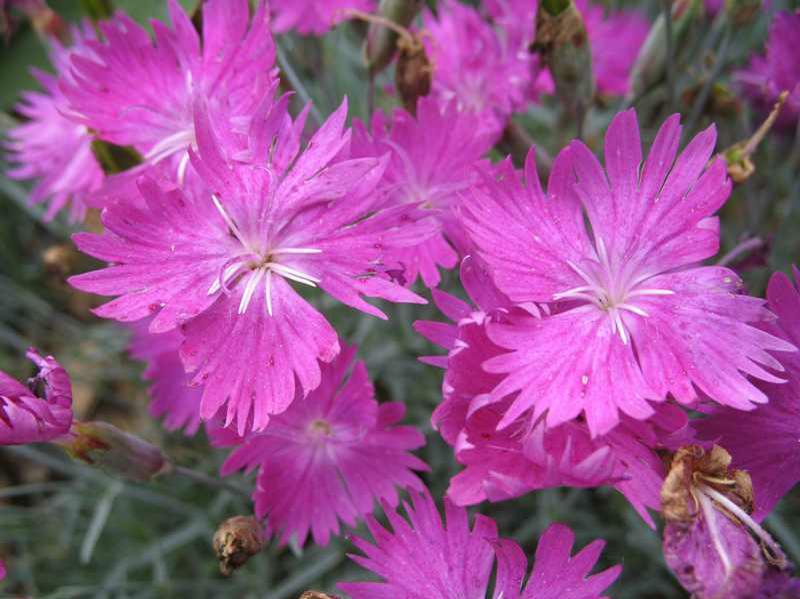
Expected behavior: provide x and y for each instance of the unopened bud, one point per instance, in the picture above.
(562, 41)
(119, 453)
(413, 72)
(236, 541)
(651, 63)
(740, 165)
(380, 45)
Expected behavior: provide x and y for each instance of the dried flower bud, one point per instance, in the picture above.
(119, 453)
(381, 42)
(651, 63)
(711, 543)
(236, 541)
(317, 595)
(740, 166)
(562, 41)
(413, 72)
(44, 21)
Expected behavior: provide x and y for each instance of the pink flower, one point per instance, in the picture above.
(616, 38)
(314, 17)
(329, 457)
(526, 456)
(135, 91)
(422, 558)
(50, 147)
(40, 412)
(767, 76)
(764, 442)
(484, 73)
(172, 396)
(433, 156)
(221, 265)
(631, 281)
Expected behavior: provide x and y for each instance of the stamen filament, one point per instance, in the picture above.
(249, 289)
(268, 292)
(293, 273)
(279, 251)
(713, 531)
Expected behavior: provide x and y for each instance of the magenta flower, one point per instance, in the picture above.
(526, 456)
(422, 558)
(172, 396)
(139, 92)
(764, 442)
(631, 281)
(50, 147)
(428, 174)
(330, 456)
(221, 265)
(315, 17)
(481, 71)
(40, 412)
(767, 76)
(616, 38)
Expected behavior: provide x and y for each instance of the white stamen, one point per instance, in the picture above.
(589, 280)
(574, 292)
(279, 251)
(226, 275)
(182, 168)
(632, 308)
(743, 516)
(250, 288)
(229, 221)
(179, 140)
(293, 274)
(268, 292)
(713, 531)
(620, 326)
(638, 292)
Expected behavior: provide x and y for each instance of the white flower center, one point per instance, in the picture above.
(256, 264)
(612, 288)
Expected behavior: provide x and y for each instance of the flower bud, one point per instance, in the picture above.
(413, 72)
(651, 63)
(236, 541)
(381, 42)
(119, 453)
(44, 21)
(562, 41)
(317, 595)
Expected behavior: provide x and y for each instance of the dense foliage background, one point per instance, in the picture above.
(69, 531)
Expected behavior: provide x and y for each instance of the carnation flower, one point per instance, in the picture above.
(135, 91)
(479, 70)
(765, 441)
(173, 398)
(767, 76)
(40, 411)
(432, 162)
(221, 264)
(329, 456)
(314, 17)
(616, 36)
(422, 558)
(50, 147)
(633, 318)
(526, 456)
